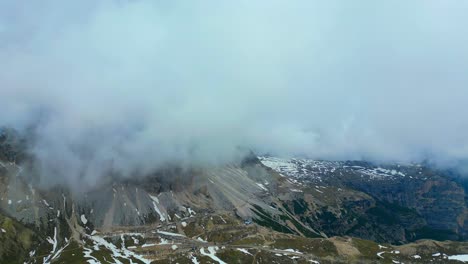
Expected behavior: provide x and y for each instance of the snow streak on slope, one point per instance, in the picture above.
(155, 199)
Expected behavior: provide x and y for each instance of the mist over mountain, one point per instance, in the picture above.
(133, 85)
(139, 131)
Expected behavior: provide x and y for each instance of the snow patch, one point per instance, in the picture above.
(90, 259)
(243, 250)
(463, 257)
(169, 233)
(54, 253)
(155, 199)
(83, 219)
(117, 253)
(163, 242)
(148, 245)
(292, 250)
(222, 219)
(195, 260)
(212, 254)
(191, 212)
(261, 186)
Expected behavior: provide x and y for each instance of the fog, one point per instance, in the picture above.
(131, 86)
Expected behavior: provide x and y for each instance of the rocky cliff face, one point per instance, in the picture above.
(439, 201)
(393, 203)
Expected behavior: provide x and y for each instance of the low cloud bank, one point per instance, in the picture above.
(134, 85)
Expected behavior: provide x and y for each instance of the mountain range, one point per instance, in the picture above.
(263, 210)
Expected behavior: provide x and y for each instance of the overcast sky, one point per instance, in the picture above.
(136, 84)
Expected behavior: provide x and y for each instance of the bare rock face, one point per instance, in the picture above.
(398, 203)
(438, 200)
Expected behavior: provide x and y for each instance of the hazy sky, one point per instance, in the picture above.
(135, 84)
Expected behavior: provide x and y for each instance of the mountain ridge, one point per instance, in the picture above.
(274, 209)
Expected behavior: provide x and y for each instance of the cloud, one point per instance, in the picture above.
(133, 85)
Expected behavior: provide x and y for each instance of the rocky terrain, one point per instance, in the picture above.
(265, 210)
(394, 203)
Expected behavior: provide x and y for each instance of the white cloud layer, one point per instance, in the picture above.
(136, 84)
